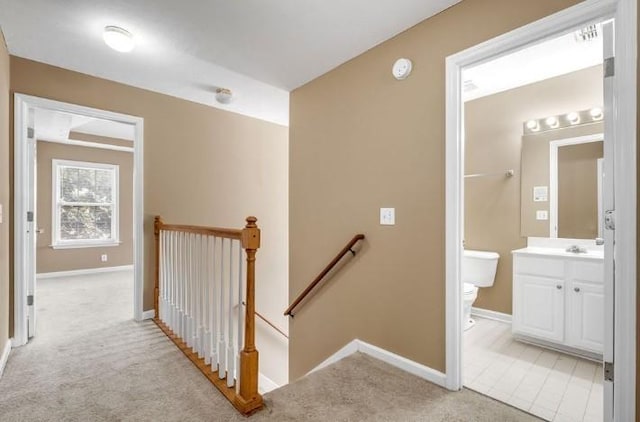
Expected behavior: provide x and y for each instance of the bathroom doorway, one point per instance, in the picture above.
(542, 312)
(530, 192)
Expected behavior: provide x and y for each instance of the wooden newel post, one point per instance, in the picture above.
(249, 397)
(157, 224)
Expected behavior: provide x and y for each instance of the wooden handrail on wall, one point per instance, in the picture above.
(323, 273)
(269, 323)
(247, 399)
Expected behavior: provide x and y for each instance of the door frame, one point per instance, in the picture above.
(22, 104)
(624, 120)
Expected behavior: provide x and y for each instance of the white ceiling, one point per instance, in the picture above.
(56, 126)
(544, 60)
(259, 49)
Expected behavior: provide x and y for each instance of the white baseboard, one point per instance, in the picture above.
(392, 359)
(349, 349)
(266, 384)
(150, 314)
(4, 356)
(84, 272)
(496, 316)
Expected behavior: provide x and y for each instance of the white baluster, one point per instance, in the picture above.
(190, 289)
(183, 284)
(212, 303)
(184, 279)
(222, 343)
(200, 296)
(240, 336)
(178, 286)
(166, 315)
(171, 279)
(174, 280)
(231, 360)
(206, 294)
(190, 324)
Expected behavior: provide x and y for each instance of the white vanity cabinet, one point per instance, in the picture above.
(558, 300)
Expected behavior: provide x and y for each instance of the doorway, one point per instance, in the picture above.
(619, 95)
(73, 224)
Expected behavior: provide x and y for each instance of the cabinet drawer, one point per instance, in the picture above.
(587, 271)
(544, 267)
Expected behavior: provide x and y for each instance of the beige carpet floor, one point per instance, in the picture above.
(91, 362)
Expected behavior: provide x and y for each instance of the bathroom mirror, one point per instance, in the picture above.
(575, 188)
(561, 183)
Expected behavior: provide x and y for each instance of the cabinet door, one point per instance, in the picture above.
(538, 307)
(585, 328)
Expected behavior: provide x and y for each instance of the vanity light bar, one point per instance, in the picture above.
(574, 118)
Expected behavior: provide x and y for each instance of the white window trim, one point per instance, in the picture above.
(56, 242)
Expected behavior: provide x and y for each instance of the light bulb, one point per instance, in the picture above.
(533, 125)
(573, 118)
(552, 121)
(596, 113)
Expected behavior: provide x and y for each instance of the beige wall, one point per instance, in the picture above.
(578, 190)
(5, 161)
(361, 140)
(493, 144)
(202, 166)
(52, 260)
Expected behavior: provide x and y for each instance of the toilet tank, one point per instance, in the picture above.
(479, 267)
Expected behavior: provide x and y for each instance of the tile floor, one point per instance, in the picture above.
(548, 384)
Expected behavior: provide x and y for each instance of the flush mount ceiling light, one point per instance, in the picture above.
(118, 38)
(224, 95)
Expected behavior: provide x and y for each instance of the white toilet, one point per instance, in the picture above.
(478, 270)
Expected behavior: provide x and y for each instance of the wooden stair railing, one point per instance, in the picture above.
(194, 276)
(323, 273)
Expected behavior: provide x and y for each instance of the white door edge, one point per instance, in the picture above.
(22, 103)
(625, 91)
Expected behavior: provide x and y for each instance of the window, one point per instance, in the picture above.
(85, 204)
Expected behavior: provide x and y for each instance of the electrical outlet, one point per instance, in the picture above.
(104, 257)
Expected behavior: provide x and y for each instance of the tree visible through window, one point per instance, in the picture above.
(86, 197)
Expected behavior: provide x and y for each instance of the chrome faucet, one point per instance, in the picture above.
(576, 249)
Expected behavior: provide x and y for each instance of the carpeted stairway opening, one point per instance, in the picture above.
(91, 362)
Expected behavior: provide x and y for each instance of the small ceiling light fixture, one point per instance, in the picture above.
(596, 113)
(533, 125)
(573, 117)
(224, 95)
(118, 38)
(552, 121)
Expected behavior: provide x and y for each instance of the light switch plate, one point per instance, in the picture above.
(542, 215)
(387, 216)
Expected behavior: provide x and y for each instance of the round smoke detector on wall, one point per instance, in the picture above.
(402, 69)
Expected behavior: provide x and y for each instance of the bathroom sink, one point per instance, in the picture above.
(591, 253)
